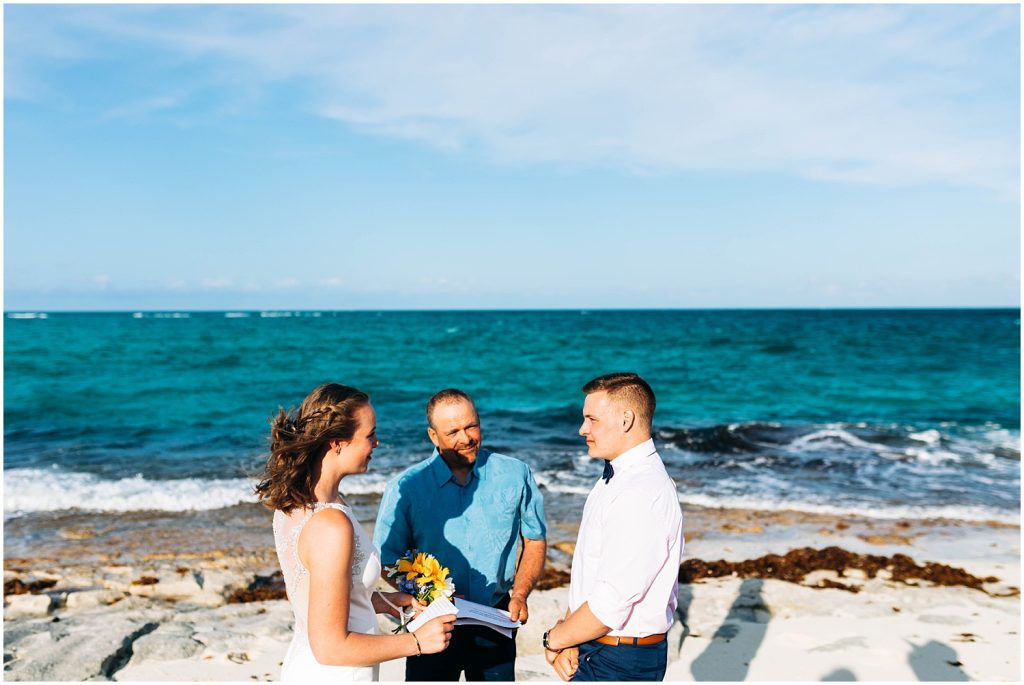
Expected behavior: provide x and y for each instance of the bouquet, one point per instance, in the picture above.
(422, 576)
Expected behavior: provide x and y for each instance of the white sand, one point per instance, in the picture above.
(770, 630)
(727, 629)
(760, 630)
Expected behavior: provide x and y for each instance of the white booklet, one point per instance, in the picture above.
(468, 613)
(439, 607)
(473, 614)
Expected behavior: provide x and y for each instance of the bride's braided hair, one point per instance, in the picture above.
(299, 438)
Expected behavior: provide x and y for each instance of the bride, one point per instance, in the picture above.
(329, 562)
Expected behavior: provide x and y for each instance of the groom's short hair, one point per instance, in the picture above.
(628, 388)
(446, 396)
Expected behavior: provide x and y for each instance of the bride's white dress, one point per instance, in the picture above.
(299, 663)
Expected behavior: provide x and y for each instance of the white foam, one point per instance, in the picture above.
(953, 513)
(28, 315)
(930, 436)
(826, 439)
(35, 490)
(364, 484)
(32, 490)
(1003, 438)
(236, 315)
(555, 483)
(934, 458)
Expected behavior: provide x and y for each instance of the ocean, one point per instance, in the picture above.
(884, 413)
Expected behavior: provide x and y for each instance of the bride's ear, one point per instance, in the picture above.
(336, 445)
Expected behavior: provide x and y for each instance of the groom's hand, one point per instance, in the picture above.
(566, 662)
(517, 609)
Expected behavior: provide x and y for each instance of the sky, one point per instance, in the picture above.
(499, 156)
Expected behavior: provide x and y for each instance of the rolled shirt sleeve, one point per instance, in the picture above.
(533, 525)
(634, 550)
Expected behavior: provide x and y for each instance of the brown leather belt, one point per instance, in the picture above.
(616, 640)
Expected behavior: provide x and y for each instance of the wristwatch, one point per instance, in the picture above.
(546, 645)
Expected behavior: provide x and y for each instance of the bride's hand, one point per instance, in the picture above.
(435, 634)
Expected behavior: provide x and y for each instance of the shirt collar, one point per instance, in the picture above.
(443, 474)
(634, 456)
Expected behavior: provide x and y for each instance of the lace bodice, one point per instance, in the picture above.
(365, 567)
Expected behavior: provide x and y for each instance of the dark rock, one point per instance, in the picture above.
(15, 586)
(260, 589)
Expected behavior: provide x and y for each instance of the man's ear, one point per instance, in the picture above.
(432, 435)
(628, 420)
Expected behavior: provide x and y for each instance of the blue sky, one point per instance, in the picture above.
(364, 157)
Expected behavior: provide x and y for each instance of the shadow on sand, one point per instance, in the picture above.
(735, 643)
(935, 661)
(840, 675)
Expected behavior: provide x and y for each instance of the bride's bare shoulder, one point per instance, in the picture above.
(326, 526)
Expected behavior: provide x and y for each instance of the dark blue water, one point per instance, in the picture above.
(901, 412)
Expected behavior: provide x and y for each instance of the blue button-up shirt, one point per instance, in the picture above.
(473, 529)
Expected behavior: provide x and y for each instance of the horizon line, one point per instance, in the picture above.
(516, 309)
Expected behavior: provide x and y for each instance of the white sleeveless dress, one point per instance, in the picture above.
(299, 663)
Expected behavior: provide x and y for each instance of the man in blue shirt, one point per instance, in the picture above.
(469, 508)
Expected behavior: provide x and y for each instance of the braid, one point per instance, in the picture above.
(299, 439)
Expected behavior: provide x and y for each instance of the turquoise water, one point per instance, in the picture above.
(901, 412)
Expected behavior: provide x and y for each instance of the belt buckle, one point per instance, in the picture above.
(618, 640)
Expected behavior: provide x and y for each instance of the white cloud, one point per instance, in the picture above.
(865, 94)
(139, 108)
(217, 283)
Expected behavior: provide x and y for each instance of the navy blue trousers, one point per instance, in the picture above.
(600, 662)
(482, 653)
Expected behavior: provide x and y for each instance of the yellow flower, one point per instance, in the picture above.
(436, 574)
(411, 568)
(420, 564)
(426, 571)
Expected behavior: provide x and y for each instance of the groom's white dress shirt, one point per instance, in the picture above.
(630, 545)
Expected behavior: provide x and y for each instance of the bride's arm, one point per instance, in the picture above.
(325, 548)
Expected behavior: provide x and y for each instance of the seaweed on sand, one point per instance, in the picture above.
(796, 564)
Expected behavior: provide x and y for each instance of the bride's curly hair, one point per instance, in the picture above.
(299, 439)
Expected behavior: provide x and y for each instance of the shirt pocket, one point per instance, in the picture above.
(501, 510)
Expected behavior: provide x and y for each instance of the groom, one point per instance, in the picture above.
(622, 592)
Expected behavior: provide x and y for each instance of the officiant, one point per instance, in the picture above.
(474, 510)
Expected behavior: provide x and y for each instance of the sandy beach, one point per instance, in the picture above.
(142, 600)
